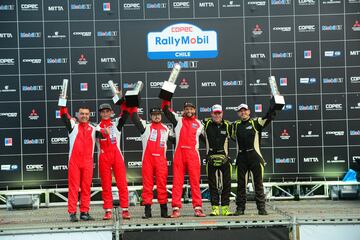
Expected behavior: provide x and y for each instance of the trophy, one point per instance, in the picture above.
(277, 101)
(169, 86)
(132, 97)
(63, 94)
(117, 95)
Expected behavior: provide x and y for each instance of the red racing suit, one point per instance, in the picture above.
(111, 159)
(154, 138)
(186, 156)
(82, 138)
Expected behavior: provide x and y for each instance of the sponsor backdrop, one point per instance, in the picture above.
(227, 50)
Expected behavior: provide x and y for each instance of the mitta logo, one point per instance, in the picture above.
(181, 41)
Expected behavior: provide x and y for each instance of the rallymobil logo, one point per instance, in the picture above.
(182, 41)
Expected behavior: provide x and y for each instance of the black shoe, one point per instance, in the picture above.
(147, 212)
(73, 218)
(239, 211)
(263, 212)
(85, 216)
(164, 211)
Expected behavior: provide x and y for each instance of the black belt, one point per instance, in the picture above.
(246, 150)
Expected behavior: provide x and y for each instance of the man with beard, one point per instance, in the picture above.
(154, 136)
(186, 157)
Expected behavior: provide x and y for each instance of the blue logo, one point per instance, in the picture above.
(182, 41)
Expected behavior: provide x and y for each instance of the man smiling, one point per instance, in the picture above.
(81, 164)
(111, 159)
(186, 157)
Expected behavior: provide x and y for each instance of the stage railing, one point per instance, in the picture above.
(273, 191)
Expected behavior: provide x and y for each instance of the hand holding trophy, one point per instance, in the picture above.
(132, 97)
(63, 95)
(169, 86)
(117, 94)
(277, 101)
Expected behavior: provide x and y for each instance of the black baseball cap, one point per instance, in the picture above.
(105, 106)
(155, 110)
(189, 104)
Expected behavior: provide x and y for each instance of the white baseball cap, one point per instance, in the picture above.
(216, 108)
(243, 105)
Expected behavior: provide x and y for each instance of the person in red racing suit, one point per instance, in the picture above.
(81, 164)
(111, 159)
(154, 136)
(186, 157)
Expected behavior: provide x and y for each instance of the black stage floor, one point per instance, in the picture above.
(280, 213)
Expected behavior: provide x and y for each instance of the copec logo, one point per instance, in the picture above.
(182, 41)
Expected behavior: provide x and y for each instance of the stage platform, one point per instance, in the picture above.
(285, 215)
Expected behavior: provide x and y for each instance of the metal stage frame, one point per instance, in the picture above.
(286, 214)
(283, 212)
(284, 191)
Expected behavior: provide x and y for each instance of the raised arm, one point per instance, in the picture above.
(139, 123)
(66, 118)
(168, 112)
(266, 120)
(124, 115)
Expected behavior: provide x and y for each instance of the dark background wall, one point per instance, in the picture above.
(312, 47)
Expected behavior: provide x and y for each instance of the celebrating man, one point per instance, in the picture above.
(154, 136)
(217, 134)
(186, 157)
(247, 133)
(80, 166)
(111, 160)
